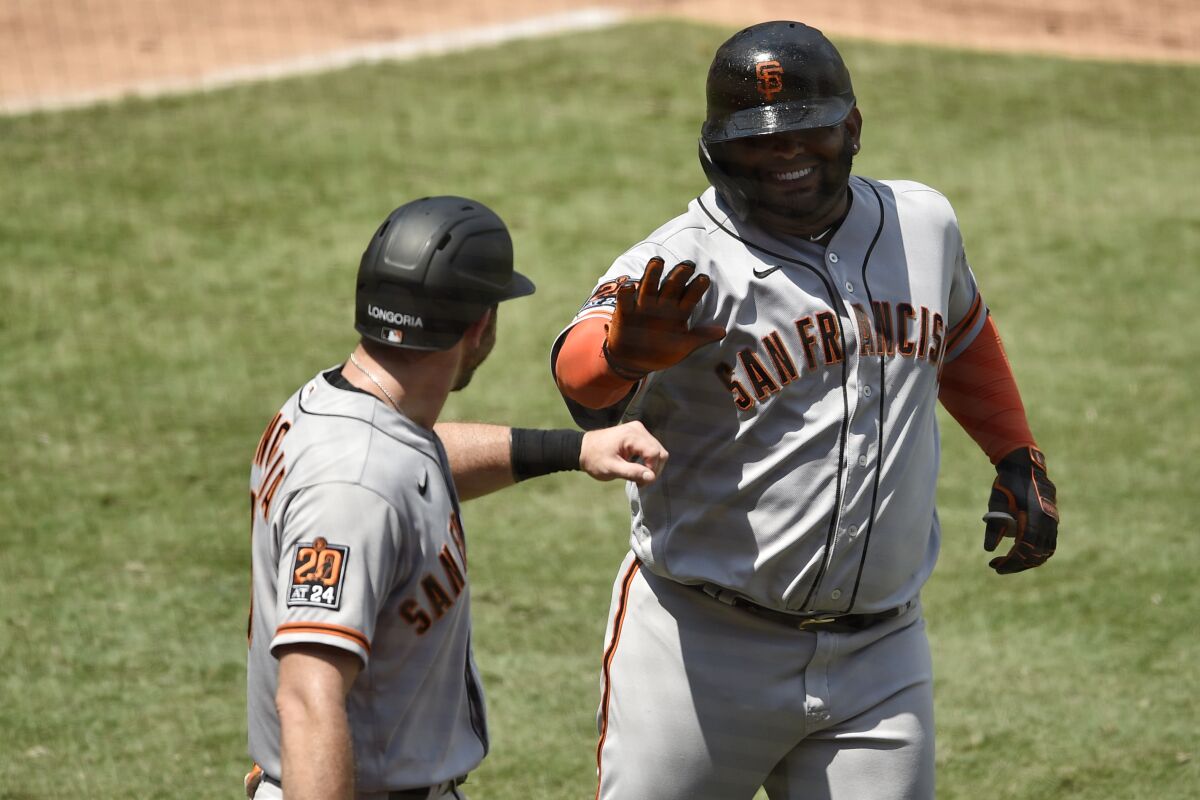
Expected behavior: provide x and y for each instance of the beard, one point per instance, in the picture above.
(465, 373)
(472, 359)
(806, 208)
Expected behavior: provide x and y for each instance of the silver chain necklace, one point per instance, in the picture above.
(375, 381)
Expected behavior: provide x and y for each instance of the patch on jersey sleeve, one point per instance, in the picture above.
(318, 571)
(605, 295)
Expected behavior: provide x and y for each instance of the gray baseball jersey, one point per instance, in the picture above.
(804, 446)
(357, 544)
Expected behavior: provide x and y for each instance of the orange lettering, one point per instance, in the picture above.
(412, 613)
(453, 573)
(438, 598)
(741, 397)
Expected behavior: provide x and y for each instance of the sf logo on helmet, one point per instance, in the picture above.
(770, 78)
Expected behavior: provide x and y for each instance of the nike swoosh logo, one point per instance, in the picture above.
(423, 484)
(762, 273)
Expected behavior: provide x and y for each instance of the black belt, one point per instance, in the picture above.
(400, 794)
(834, 623)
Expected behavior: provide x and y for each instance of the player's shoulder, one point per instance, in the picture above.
(349, 437)
(686, 236)
(918, 195)
(917, 206)
(690, 225)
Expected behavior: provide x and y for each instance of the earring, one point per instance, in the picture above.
(854, 147)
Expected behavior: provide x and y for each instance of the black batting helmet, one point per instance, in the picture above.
(432, 269)
(770, 78)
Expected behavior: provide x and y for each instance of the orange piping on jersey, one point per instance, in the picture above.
(325, 628)
(965, 324)
(618, 621)
(582, 371)
(980, 392)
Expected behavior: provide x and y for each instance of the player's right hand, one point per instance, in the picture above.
(626, 451)
(649, 327)
(1023, 505)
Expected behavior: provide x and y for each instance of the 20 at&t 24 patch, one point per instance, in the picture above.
(318, 572)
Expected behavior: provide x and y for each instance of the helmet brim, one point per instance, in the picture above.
(778, 118)
(519, 286)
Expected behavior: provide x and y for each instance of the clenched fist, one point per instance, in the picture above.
(1024, 506)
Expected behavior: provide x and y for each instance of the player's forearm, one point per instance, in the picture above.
(979, 390)
(485, 458)
(318, 760)
(582, 372)
(316, 749)
(480, 456)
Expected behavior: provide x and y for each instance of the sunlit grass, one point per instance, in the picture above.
(173, 269)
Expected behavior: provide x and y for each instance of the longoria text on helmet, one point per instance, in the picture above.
(392, 318)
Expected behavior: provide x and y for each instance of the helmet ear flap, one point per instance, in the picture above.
(737, 193)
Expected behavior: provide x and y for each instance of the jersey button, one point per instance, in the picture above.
(836, 594)
(833, 257)
(867, 391)
(862, 461)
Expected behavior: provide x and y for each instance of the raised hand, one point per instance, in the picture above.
(649, 328)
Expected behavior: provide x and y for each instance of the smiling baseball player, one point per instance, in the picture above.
(787, 338)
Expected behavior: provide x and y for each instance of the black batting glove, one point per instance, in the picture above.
(649, 330)
(1024, 506)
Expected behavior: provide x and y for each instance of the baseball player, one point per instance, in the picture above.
(361, 680)
(787, 338)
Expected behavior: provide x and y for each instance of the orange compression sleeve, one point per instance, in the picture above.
(980, 392)
(581, 370)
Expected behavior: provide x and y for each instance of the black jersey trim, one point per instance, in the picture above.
(439, 452)
(475, 701)
(834, 302)
(862, 561)
(336, 379)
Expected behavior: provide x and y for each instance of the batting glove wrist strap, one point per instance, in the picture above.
(1024, 506)
(616, 368)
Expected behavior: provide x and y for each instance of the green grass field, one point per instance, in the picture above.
(173, 269)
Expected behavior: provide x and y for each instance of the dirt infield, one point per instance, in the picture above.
(54, 49)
